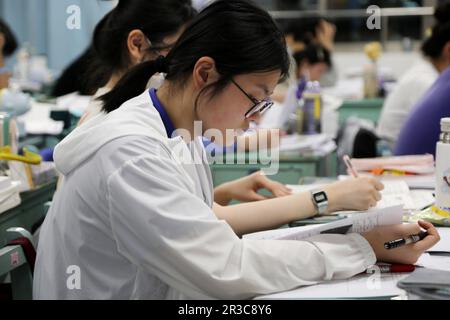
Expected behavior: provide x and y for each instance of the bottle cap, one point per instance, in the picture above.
(445, 124)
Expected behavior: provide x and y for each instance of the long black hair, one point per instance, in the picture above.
(433, 46)
(10, 39)
(108, 52)
(241, 38)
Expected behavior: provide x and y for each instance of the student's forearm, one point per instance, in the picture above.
(268, 214)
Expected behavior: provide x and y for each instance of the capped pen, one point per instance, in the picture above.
(403, 241)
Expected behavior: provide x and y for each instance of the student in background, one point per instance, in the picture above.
(300, 34)
(414, 83)
(420, 132)
(134, 32)
(136, 215)
(312, 62)
(8, 44)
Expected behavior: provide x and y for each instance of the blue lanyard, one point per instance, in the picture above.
(168, 124)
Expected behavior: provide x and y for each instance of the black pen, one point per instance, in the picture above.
(400, 242)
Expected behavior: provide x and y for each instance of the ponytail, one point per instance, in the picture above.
(133, 83)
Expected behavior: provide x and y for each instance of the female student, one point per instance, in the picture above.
(417, 81)
(420, 131)
(141, 30)
(135, 217)
(131, 33)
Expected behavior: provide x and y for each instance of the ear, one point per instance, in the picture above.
(204, 72)
(446, 52)
(137, 45)
(2, 42)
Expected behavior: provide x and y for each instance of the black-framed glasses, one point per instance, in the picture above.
(258, 105)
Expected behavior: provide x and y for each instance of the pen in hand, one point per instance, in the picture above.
(403, 241)
(350, 167)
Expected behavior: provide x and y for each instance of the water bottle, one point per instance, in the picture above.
(443, 167)
(300, 105)
(22, 67)
(371, 85)
(312, 108)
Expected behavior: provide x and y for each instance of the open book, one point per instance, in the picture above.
(356, 223)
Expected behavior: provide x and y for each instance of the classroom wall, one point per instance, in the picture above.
(42, 23)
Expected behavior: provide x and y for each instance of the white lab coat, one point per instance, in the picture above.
(136, 221)
(405, 95)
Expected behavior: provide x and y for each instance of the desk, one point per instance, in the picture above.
(367, 109)
(42, 141)
(378, 286)
(292, 167)
(30, 211)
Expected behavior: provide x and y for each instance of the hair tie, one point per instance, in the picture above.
(161, 64)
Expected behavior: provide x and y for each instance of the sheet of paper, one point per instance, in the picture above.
(38, 121)
(434, 262)
(414, 182)
(396, 193)
(422, 199)
(444, 244)
(359, 286)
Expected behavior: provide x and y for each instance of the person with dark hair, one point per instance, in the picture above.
(135, 216)
(299, 34)
(133, 32)
(413, 85)
(421, 130)
(312, 62)
(77, 78)
(306, 31)
(8, 45)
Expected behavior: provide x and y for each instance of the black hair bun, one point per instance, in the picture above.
(442, 13)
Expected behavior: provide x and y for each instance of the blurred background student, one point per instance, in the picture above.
(8, 45)
(421, 130)
(415, 82)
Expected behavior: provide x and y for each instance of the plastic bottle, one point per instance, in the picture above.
(371, 85)
(23, 64)
(443, 167)
(312, 108)
(300, 105)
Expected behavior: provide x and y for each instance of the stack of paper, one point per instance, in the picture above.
(9, 193)
(416, 171)
(319, 144)
(38, 121)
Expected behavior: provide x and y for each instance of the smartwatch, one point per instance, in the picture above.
(320, 201)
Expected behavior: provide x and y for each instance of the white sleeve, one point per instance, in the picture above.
(161, 227)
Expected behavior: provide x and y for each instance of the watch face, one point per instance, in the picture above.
(320, 197)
